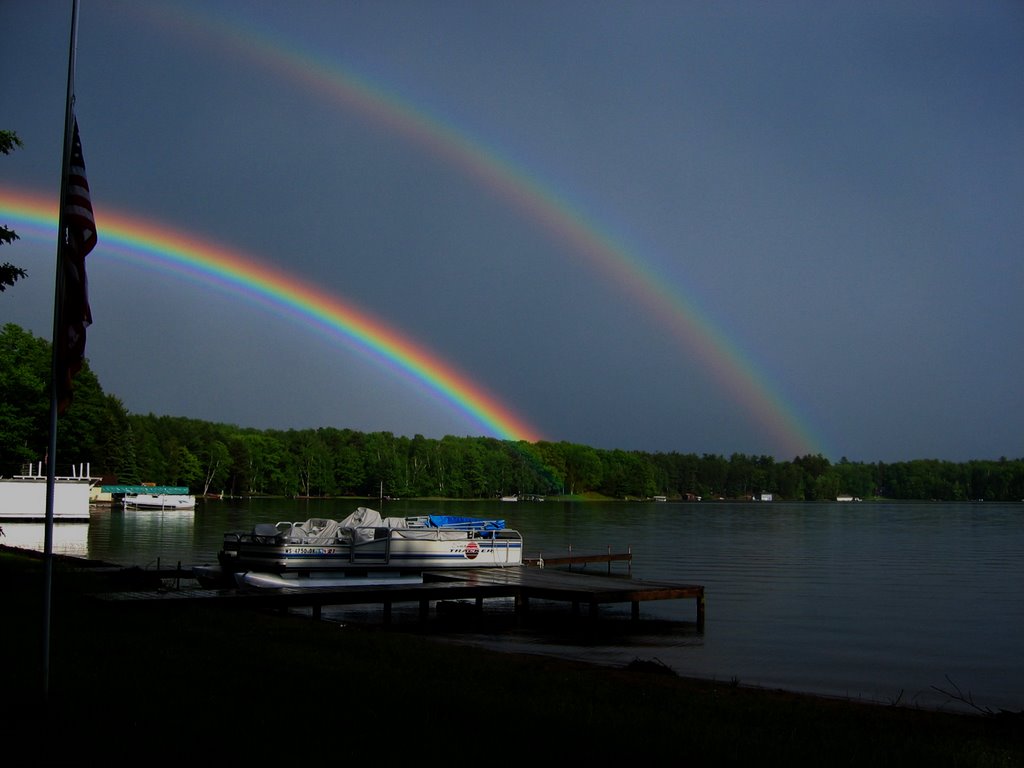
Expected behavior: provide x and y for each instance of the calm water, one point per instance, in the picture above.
(882, 602)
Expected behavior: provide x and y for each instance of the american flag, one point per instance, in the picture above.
(78, 238)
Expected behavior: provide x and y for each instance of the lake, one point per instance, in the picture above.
(919, 604)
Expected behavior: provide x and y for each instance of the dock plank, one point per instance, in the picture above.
(575, 587)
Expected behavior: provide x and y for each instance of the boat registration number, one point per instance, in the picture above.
(312, 550)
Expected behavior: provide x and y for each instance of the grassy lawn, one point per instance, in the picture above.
(180, 681)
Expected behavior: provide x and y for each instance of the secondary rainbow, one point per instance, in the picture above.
(152, 244)
(623, 267)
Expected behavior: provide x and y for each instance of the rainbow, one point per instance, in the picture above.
(679, 315)
(151, 244)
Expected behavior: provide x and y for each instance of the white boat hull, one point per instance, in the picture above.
(391, 552)
(254, 580)
(159, 501)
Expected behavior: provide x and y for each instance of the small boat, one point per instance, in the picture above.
(364, 541)
(159, 501)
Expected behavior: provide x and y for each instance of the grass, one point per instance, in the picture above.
(179, 681)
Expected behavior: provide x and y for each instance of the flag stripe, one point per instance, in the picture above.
(78, 202)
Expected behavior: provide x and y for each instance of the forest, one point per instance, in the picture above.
(213, 458)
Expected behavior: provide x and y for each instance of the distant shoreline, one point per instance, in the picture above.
(595, 498)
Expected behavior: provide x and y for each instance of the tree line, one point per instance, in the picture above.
(214, 458)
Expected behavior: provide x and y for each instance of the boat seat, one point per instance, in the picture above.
(265, 530)
(326, 534)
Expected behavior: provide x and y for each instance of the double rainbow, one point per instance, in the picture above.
(679, 315)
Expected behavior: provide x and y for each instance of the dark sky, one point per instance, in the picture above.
(764, 228)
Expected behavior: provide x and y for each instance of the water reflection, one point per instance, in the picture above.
(143, 538)
(69, 538)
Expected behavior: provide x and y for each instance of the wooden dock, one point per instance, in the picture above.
(522, 584)
(576, 589)
(570, 562)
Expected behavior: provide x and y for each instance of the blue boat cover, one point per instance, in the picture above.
(450, 521)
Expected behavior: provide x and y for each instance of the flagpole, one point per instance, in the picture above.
(51, 455)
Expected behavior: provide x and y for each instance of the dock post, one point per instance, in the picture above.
(636, 610)
(424, 610)
(522, 603)
(700, 610)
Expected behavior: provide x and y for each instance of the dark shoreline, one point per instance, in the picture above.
(134, 671)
